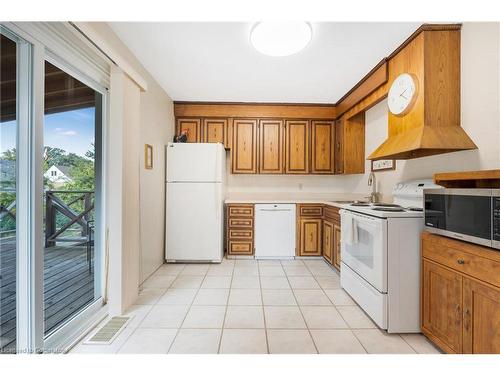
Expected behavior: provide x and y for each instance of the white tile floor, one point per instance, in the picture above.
(250, 306)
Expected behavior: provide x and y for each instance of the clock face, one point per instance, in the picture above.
(402, 94)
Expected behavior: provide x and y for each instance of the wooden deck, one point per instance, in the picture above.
(68, 286)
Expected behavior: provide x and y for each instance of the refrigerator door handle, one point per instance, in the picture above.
(217, 162)
(216, 200)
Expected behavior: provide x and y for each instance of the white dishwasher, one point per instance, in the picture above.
(275, 230)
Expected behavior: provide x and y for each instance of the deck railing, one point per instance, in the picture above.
(54, 205)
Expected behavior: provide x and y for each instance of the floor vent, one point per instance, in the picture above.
(109, 331)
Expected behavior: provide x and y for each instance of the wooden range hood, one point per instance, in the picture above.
(432, 126)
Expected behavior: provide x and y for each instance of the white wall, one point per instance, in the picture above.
(154, 122)
(480, 97)
(157, 128)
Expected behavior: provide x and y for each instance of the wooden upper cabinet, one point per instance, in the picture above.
(244, 146)
(297, 146)
(339, 150)
(350, 145)
(192, 125)
(215, 131)
(442, 305)
(481, 318)
(271, 146)
(322, 135)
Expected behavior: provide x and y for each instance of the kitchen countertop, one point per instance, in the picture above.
(328, 199)
(281, 201)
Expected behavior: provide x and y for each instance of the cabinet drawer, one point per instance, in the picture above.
(240, 248)
(311, 210)
(240, 222)
(241, 211)
(471, 264)
(236, 234)
(331, 212)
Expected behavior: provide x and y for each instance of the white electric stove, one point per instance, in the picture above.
(380, 251)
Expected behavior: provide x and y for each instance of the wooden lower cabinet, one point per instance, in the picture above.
(442, 305)
(336, 246)
(328, 241)
(460, 312)
(309, 229)
(481, 333)
(240, 229)
(310, 237)
(331, 223)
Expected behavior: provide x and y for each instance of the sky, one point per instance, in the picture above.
(72, 131)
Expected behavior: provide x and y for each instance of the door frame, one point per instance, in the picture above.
(57, 340)
(29, 190)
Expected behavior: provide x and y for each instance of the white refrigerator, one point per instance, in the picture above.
(195, 201)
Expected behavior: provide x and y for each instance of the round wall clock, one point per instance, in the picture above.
(402, 94)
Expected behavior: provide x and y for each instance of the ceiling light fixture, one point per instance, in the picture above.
(282, 38)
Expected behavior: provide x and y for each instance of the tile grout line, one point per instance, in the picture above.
(154, 304)
(189, 308)
(347, 324)
(300, 310)
(225, 311)
(407, 343)
(263, 311)
(341, 316)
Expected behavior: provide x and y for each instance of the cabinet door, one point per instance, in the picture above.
(322, 134)
(310, 237)
(328, 241)
(297, 147)
(339, 151)
(215, 131)
(336, 246)
(481, 318)
(271, 146)
(244, 147)
(193, 126)
(442, 305)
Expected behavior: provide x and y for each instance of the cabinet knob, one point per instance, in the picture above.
(461, 261)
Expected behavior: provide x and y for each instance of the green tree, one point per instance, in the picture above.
(9, 154)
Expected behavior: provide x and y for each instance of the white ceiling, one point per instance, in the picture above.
(216, 62)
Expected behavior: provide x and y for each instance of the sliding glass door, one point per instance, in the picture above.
(51, 216)
(72, 124)
(8, 184)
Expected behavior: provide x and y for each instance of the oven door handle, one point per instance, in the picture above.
(372, 221)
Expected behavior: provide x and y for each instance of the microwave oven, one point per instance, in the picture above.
(471, 215)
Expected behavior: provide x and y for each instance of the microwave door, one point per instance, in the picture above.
(496, 219)
(465, 214)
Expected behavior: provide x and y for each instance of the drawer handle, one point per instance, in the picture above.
(461, 261)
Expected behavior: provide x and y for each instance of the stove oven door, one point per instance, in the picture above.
(364, 247)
